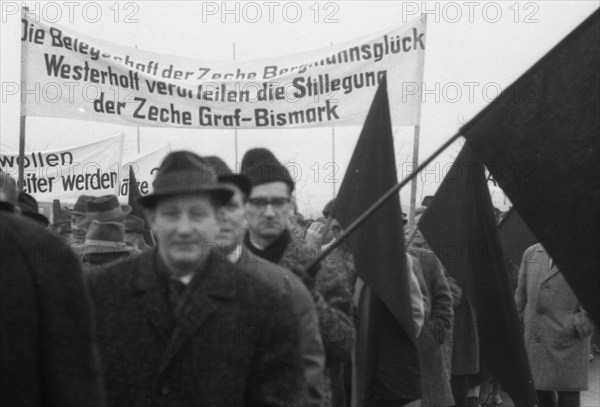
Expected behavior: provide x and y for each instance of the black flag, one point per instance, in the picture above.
(391, 366)
(460, 227)
(540, 139)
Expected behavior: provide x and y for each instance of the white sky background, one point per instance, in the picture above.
(470, 47)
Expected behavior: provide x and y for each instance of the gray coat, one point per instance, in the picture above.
(556, 328)
(435, 377)
(231, 343)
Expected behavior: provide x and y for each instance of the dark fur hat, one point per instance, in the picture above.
(260, 166)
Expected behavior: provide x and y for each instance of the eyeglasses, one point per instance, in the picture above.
(262, 203)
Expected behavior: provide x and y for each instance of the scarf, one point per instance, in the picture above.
(274, 251)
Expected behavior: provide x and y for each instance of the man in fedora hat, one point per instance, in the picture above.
(106, 208)
(104, 243)
(185, 327)
(230, 240)
(135, 228)
(76, 213)
(268, 209)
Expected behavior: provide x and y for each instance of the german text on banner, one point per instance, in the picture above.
(71, 75)
(92, 169)
(145, 166)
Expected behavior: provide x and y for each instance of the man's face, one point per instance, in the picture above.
(76, 230)
(232, 221)
(268, 209)
(185, 227)
(334, 232)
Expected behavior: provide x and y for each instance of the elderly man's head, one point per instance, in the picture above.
(77, 215)
(182, 211)
(231, 215)
(135, 229)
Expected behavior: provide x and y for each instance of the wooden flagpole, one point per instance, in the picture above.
(413, 184)
(22, 125)
(235, 131)
(139, 144)
(22, 129)
(333, 167)
(415, 157)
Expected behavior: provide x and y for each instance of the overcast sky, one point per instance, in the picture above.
(473, 49)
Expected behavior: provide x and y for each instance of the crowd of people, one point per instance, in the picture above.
(207, 301)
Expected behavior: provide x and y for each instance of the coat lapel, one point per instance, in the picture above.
(206, 291)
(549, 268)
(147, 282)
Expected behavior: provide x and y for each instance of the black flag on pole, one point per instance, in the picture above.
(460, 227)
(540, 139)
(392, 369)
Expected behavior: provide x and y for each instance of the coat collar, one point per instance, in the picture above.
(273, 252)
(216, 284)
(549, 267)
(208, 288)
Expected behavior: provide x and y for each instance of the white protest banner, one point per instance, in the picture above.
(91, 169)
(145, 167)
(71, 75)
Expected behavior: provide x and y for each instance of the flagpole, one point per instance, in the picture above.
(415, 157)
(138, 139)
(22, 125)
(138, 130)
(333, 158)
(411, 235)
(22, 130)
(333, 161)
(413, 185)
(312, 268)
(235, 131)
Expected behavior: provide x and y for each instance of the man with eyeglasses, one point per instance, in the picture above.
(268, 210)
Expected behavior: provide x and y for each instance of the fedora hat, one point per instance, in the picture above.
(29, 208)
(79, 207)
(134, 224)
(104, 237)
(227, 176)
(182, 173)
(106, 208)
(260, 166)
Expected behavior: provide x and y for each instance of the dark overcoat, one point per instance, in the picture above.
(556, 329)
(313, 354)
(465, 348)
(47, 355)
(231, 343)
